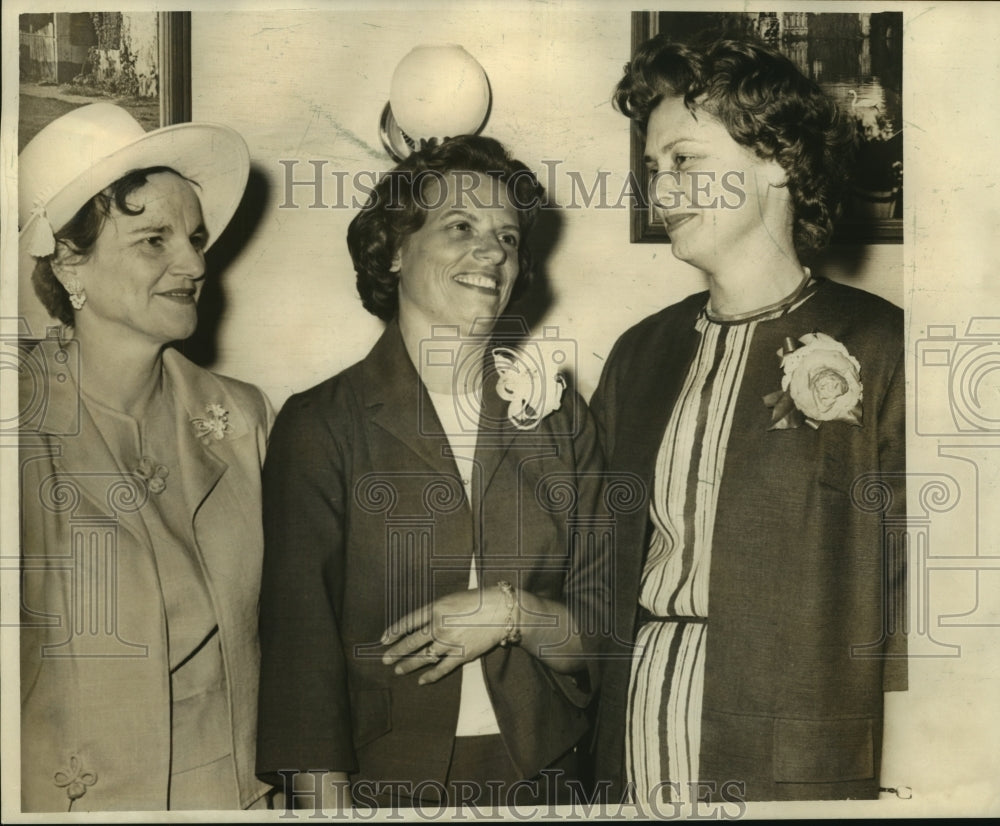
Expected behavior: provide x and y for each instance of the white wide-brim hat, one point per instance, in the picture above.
(79, 154)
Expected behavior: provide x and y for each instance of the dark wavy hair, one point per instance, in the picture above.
(79, 234)
(398, 206)
(766, 104)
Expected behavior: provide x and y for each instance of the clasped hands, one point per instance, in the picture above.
(446, 633)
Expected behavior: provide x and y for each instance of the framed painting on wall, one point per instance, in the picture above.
(856, 58)
(139, 60)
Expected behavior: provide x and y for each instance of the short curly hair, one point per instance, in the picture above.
(766, 104)
(397, 207)
(80, 233)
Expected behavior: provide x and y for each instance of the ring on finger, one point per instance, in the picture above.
(432, 655)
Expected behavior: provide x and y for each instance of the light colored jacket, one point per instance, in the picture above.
(95, 680)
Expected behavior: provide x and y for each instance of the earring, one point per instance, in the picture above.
(77, 296)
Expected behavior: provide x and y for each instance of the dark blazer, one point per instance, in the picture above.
(95, 674)
(802, 635)
(365, 520)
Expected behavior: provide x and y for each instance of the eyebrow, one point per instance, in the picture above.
(162, 229)
(667, 147)
(452, 212)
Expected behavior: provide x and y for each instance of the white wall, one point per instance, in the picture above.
(311, 86)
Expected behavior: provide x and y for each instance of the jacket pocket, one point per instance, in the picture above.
(823, 751)
(833, 470)
(371, 715)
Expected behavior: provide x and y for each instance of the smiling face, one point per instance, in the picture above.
(144, 274)
(718, 200)
(462, 263)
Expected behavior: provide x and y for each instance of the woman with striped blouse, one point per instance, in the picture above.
(753, 595)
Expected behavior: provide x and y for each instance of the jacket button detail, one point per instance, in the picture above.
(76, 780)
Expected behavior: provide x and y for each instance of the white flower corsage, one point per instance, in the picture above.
(821, 383)
(532, 394)
(215, 426)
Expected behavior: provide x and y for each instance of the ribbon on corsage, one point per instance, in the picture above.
(214, 427)
(521, 381)
(821, 383)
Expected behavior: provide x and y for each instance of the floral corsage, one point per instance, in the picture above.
(821, 383)
(532, 394)
(214, 427)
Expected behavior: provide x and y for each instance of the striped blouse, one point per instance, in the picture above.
(667, 678)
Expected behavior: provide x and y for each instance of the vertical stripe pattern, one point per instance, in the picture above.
(666, 686)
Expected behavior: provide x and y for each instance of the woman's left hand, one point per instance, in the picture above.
(447, 633)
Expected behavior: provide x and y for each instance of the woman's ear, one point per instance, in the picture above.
(397, 261)
(776, 175)
(64, 262)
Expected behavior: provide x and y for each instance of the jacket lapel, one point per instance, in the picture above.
(653, 381)
(401, 407)
(199, 466)
(400, 404)
(496, 431)
(85, 456)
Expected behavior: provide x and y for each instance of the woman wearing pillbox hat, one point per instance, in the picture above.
(139, 652)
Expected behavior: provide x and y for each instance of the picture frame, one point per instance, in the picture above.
(61, 56)
(854, 57)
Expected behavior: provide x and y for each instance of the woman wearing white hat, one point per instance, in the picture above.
(140, 482)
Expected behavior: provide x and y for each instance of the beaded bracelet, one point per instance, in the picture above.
(512, 634)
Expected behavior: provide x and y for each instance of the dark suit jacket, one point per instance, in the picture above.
(802, 636)
(365, 520)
